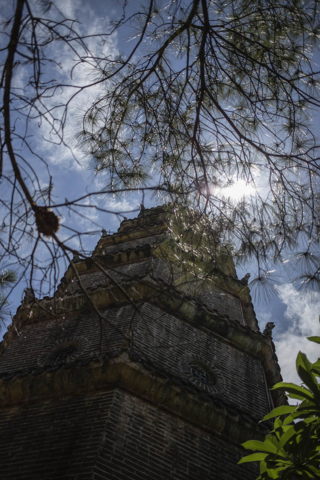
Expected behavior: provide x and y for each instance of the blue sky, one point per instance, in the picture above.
(295, 315)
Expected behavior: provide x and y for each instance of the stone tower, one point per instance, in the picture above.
(139, 367)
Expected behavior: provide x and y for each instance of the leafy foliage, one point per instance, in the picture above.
(212, 93)
(207, 93)
(292, 448)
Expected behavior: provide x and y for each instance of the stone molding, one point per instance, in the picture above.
(212, 370)
(100, 375)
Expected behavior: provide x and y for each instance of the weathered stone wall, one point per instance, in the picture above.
(159, 270)
(53, 440)
(110, 435)
(153, 335)
(144, 442)
(170, 343)
(31, 348)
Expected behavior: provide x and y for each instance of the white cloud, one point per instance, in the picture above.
(303, 312)
(264, 317)
(48, 132)
(68, 7)
(66, 174)
(125, 205)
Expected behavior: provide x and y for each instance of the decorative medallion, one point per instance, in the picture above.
(65, 350)
(202, 374)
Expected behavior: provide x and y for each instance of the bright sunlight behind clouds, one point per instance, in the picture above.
(239, 189)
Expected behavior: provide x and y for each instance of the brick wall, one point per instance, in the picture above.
(53, 440)
(31, 348)
(111, 435)
(166, 340)
(156, 335)
(207, 293)
(132, 244)
(144, 442)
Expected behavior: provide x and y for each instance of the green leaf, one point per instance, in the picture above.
(263, 466)
(303, 361)
(271, 440)
(289, 419)
(304, 370)
(277, 423)
(310, 416)
(272, 473)
(254, 457)
(292, 449)
(309, 380)
(315, 470)
(278, 411)
(292, 431)
(296, 397)
(316, 367)
(308, 473)
(261, 446)
(298, 392)
(314, 339)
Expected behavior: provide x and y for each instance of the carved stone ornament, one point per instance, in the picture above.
(65, 350)
(202, 374)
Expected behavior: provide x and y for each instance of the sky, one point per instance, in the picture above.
(296, 316)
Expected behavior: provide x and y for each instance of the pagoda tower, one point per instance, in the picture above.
(147, 363)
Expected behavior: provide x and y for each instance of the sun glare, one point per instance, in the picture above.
(239, 189)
